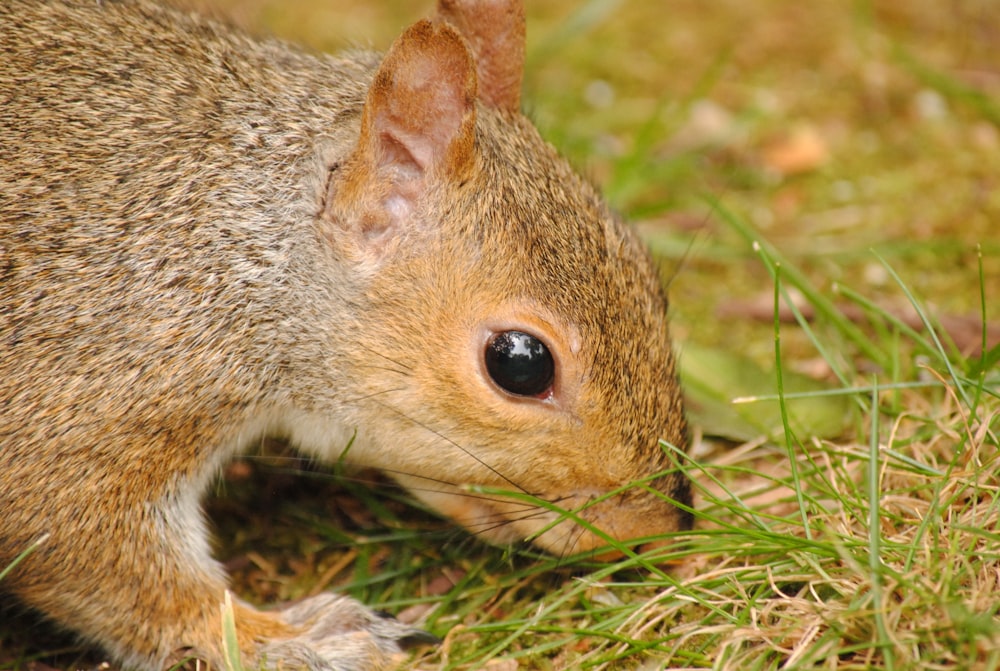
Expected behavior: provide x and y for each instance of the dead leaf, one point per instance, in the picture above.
(802, 150)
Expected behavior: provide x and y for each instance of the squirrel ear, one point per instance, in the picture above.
(495, 31)
(421, 107)
(417, 126)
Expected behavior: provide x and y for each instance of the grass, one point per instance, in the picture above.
(841, 158)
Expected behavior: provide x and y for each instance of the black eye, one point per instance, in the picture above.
(520, 363)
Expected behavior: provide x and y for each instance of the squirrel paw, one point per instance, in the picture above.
(340, 634)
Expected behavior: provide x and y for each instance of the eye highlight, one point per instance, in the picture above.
(520, 363)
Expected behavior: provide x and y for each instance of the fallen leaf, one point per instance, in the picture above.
(802, 150)
(724, 396)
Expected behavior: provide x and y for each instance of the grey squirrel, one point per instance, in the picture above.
(206, 239)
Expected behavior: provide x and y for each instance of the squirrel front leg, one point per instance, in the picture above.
(146, 588)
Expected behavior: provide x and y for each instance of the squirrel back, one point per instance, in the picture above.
(205, 239)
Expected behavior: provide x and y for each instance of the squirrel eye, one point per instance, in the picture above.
(520, 363)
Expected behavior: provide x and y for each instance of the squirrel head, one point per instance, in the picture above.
(521, 327)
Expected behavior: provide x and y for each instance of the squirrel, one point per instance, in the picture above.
(208, 238)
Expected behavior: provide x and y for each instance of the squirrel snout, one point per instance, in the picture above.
(563, 525)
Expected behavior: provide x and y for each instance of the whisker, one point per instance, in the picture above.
(527, 515)
(490, 525)
(453, 443)
(457, 492)
(294, 461)
(483, 530)
(467, 495)
(354, 399)
(572, 536)
(403, 372)
(387, 358)
(368, 482)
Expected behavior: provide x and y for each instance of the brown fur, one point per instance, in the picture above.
(205, 239)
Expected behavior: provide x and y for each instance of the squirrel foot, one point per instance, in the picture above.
(336, 633)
